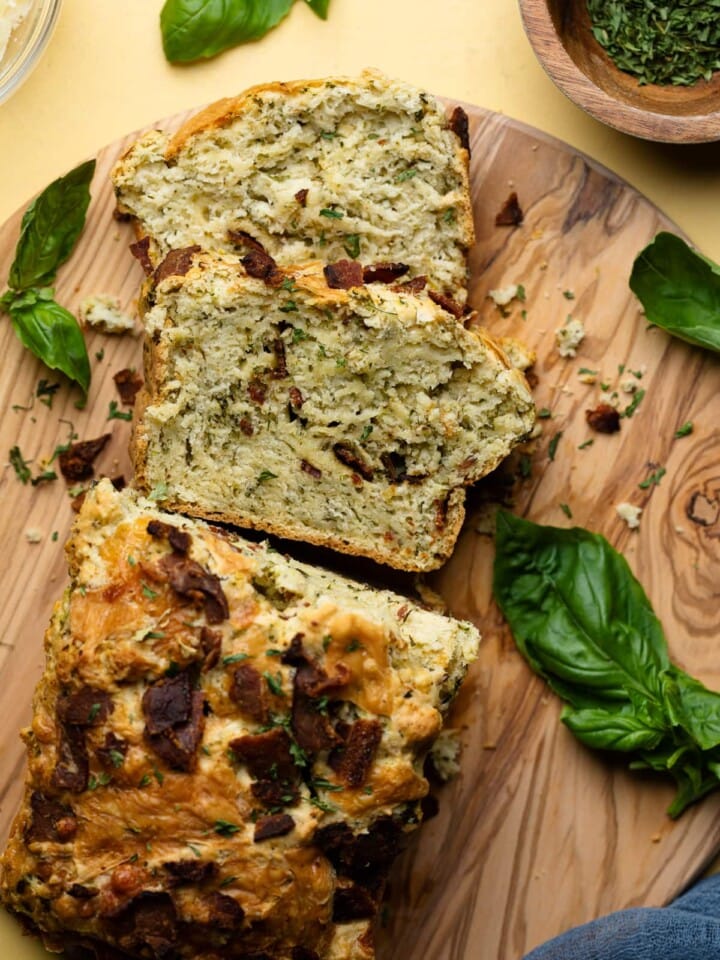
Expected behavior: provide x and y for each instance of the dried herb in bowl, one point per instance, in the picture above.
(671, 42)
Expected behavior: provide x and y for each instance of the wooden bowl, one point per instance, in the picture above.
(560, 34)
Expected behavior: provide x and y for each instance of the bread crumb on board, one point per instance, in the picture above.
(569, 337)
(630, 514)
(102, 312)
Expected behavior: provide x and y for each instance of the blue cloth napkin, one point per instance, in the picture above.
(687, 929)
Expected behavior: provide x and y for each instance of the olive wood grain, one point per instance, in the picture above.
(537, 833)
(560, 34)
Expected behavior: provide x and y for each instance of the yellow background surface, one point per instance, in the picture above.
(104, 75)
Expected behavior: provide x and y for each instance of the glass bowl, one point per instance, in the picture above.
(26, 43)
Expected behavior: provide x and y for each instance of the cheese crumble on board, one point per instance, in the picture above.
(11, 13)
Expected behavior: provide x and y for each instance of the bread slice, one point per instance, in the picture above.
(226, 747)
(350, 418)
(366, 168)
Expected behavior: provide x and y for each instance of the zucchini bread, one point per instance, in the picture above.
(309, 404)
(226, 748)
(367, 168)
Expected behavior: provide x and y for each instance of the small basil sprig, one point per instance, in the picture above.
(49, 230)
(679, 290)
(199, 29)
(584, 624)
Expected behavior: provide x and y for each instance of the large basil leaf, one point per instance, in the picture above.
(197, 29)
(585, 624)
(607, 730)
(577, 612)
(50, 228)
(52, 333)
(679, 290)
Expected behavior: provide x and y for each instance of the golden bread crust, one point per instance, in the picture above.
(216, 730)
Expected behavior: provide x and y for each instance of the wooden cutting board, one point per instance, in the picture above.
(537, 833)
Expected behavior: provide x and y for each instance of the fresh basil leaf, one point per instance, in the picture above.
(604, 730)
(198, 29)
(577, 613)
(52, 333)
(679, 290)
(584, 623)
(700, 710)
(50, 228)
(320, 7)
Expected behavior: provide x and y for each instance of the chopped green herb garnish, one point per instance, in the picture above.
(144, 780)
(93, 712)
(352, 245)
(46, 392)
(328, 134)
(159, 776)
(566, 510)
(585, 444)
(289, 307)
(520, 293)
(116, 758)
(288, 283)
(20, 465)
(131, 560)
(275, 683)
(322, 805)
(634, 404)
(227, 881)
(340, 361)
(568, 294)
(225, 828)
(587, 370)
(685, 430)
(367, 430)
(406, 175)
(525, 466)
(148, 592)
(266, 475)
(353, 646)
(99, 354)
(332, 214)
(544, 413)
(654, 478)
(154, 635)
(54, 536)
(273, 653)
(298, 335)
(450, 215)
(235, 658)
(322, 784)
(196, 850)
(326, 641)
(552, 446)
(114, 413)
(44, 477)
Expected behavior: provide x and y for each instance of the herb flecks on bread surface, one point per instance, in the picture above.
(349, 418)
(368, 168)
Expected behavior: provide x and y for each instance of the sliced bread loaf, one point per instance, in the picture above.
(226, 747)
(366, 168)
(352, 418)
